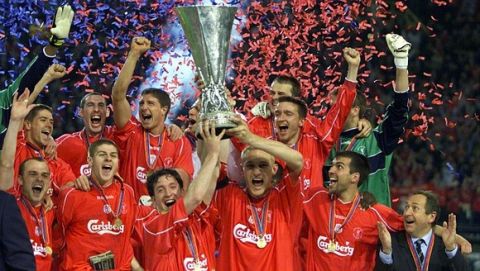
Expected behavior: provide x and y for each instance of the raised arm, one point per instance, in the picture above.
(121, 107)
(292, 158)
(20, 109)
(329, 130)
(55, 71)
(203, 186)
(396, 117)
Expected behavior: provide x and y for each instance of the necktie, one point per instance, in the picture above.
(418, 248)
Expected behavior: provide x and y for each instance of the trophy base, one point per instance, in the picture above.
(222, 122)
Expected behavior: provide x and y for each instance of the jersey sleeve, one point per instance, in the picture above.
(63, 173)
(389, 217)
(184, 157)
(392, 127)
(329, 129)
(120, 136)
(223, 198)
(64, 212)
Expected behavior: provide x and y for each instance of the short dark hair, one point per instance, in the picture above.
(84, 99)
(358, 163)
(21, 169)
(152, 179)
(103, 141)
(293, 82)
(360, 102)
(35, 110)
(431, 204)
(162, 97)
(302, 107)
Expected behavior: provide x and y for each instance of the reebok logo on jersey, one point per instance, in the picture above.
(343, 251)
(189, 263)
(244, 234)
(94, 226)
(141, 174)
(38, 249)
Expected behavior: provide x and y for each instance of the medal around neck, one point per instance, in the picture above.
(261, 242)
(207, 29)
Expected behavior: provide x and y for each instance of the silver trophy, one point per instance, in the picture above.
(207, 29)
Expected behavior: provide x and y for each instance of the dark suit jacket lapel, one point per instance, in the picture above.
(403, 247)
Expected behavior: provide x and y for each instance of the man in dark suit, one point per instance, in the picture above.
(15, 248)
(417, 248)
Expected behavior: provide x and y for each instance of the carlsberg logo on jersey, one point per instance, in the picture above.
(94, 226)
(189, 263)
(141, 174)
(85, 170)
(322, 243)
(38, 249)
(244, 234)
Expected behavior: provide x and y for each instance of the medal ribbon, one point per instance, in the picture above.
(192, 244)
(331, 221)
(274, 135)
(87, 138)
(41, 222)
(349, 147)
(147, 149)
(41, 155)
(105, 200)
(260, 222)
(418, 265)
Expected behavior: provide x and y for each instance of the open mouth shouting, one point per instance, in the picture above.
(46, 132)
(333, 181)
(96, 121)
(107, 169)
(169, 202)
(37, 188)
(283, 128)
(257, 182)
(147, 118)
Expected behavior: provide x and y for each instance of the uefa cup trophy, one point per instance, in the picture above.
(207, 29)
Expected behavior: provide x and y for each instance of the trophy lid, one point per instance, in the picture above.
(207, 29)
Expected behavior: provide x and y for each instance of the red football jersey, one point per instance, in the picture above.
(73, 149)
(134, 154)
(239, 239)
(355, 243)
(171, 240)
(60, 172)
(35, 227)
(319, 136)
(144, 214)
(88, 227)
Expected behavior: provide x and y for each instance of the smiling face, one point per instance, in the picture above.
(258, 169)
(35, 180)
(341, 177)
(39, 129)
(104, 163)
(152, 113)
(415, 218)
(166, 192)
(287, 122)
(94, 114)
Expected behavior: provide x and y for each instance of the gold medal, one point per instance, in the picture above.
(118, 222)
(261, 242)
(48, 250)
(331, 246)
(197, 266)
